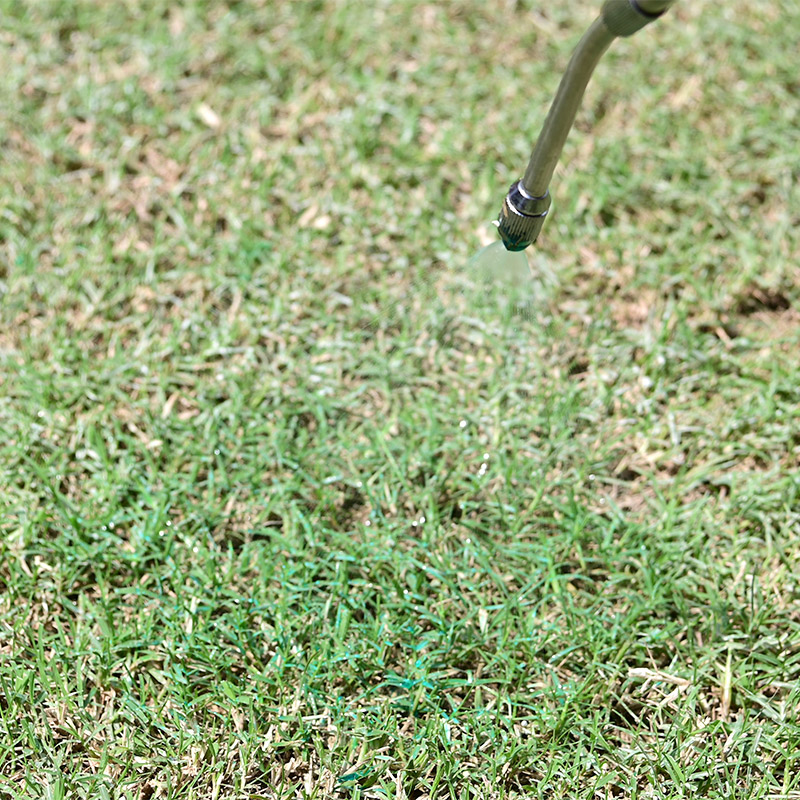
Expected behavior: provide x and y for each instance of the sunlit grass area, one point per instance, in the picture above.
(285, 512)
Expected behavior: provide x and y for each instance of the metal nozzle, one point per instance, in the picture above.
(521, 217)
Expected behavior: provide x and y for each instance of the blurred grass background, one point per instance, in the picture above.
(282, 517)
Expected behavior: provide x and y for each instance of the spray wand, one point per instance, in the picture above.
(528, 201)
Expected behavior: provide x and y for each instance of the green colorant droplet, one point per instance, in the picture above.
(500, 281)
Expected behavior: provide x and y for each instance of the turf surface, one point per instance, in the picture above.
(284, 514)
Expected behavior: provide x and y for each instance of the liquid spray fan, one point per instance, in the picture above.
(528, 201)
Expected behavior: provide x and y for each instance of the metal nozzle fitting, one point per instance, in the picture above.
(521, 217)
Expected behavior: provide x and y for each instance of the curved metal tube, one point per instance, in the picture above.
(528, 201)
(565, 106)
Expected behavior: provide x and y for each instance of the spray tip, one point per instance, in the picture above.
(521, 217)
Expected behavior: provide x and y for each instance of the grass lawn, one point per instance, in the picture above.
(285, 514)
